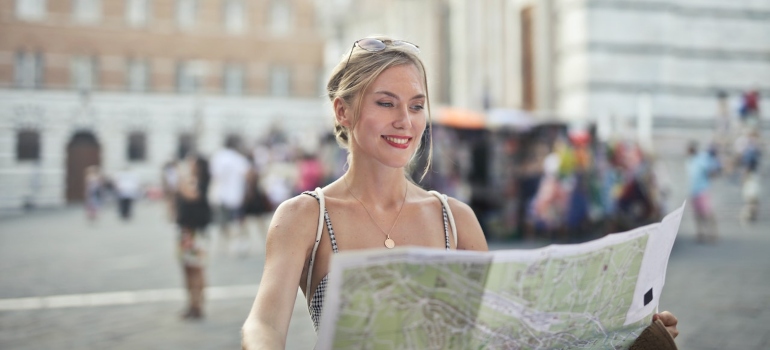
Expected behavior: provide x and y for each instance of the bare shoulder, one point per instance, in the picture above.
(295, 219)
(299, 204)
(469, 234)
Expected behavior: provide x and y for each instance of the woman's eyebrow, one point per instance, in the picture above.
(388, 93)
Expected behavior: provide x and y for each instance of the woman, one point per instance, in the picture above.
(94, 191)
(379, 96)
(193, 215)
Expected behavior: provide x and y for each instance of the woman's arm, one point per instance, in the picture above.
(289, 241)
(469, 234)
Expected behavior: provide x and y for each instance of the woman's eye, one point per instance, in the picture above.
(418, 107)
(385, 104)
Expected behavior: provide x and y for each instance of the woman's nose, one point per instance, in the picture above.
(403, 119)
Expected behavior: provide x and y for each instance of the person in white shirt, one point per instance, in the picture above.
(228, 170)
(127, 188)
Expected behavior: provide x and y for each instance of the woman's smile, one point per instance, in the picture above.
(398, 141)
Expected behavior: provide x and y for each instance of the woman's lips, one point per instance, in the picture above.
(397, 141)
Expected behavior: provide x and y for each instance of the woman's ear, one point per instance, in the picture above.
(342, 112)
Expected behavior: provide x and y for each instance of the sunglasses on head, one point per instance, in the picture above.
(374, 45)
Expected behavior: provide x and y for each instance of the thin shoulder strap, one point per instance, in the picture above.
(322, 205)
(444, 202)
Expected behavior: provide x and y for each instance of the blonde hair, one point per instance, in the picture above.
(351, 77)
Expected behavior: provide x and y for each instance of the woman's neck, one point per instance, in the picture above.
(377, 188)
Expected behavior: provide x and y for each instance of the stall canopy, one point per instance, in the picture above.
(460, 118)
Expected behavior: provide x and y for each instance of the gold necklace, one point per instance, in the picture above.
(389, 243)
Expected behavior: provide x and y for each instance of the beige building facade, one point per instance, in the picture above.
(479, 54)
(670, 58)
(577, 59)
(135, 83)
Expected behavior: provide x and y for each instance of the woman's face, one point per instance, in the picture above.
(392, 117)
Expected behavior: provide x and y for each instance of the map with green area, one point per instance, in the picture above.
(595, 295)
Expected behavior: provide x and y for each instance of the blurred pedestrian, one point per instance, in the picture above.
(193, 215)
(94, 191)
(127, 189)
(310, 173)
(751, 182)
(750, 190)
(549, 204)
(749, 110)
(701, 167)
(228, 175)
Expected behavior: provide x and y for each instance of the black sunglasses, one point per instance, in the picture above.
(374, 45)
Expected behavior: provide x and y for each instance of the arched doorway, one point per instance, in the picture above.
(83, 150)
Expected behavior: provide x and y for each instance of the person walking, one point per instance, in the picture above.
(228, 175)
(94, 192)
(749, 109)
(701, 167)
(380, 102)
(751, 188)
(193, 215)
(127, 189)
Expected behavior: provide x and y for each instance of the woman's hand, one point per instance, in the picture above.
(669, 320)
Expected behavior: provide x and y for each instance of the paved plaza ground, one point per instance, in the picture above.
(69, 284)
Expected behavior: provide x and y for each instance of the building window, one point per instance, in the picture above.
(280, 81)
(27, 145)
(28, 70)
(234, 12)
(280, 17)
(30, 9)
(137, 12)
(138, 75)
(84, 73)
(186, 13)
(87, 10)
(186, 79)
(233, 80)
(137, 146)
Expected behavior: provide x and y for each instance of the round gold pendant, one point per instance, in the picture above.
(389, 243)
